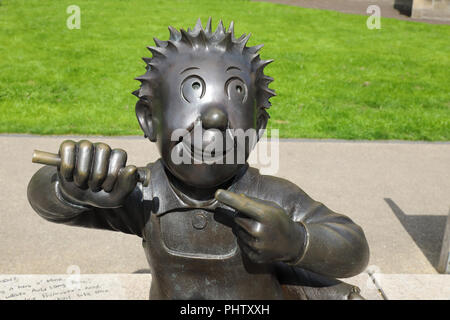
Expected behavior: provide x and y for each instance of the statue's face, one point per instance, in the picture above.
(208, 93)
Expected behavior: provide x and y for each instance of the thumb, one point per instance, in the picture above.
(127, 180)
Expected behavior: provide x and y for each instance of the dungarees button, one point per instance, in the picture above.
(199, 221)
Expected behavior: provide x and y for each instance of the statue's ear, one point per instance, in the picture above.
(145, 118)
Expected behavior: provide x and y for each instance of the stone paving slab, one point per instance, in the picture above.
(414, 286)
(398, 192)
(367, 286)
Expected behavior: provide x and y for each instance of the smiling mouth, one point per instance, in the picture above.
(201, 150)
(210, 145)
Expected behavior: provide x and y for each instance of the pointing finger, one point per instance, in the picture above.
(251, 208)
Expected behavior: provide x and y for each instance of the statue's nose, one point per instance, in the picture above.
(214, 118)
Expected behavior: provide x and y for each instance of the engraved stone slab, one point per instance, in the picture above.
(75, 287)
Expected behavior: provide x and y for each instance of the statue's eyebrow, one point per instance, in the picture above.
(233, 68)
(187, 69)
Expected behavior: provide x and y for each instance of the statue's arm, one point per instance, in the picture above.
(334, 245)
(49, 203)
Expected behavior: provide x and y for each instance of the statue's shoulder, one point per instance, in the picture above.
(155, 165)
(157, 178)
(279, 190)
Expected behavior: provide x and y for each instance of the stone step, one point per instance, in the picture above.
(137, 286)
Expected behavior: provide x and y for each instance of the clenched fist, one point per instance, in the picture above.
(264, 231)
(93, 174)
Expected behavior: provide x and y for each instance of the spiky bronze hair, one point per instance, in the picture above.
(201, 38)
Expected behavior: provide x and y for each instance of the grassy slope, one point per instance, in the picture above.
(334, 77)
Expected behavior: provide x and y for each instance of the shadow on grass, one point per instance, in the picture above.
(427, 231)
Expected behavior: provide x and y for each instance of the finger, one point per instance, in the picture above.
(251, 208)
(245, 237)
(67, 154)
(250, 252)
(83, 162)
(117, 160)
(252, 227)
(127, 179)
(99, 166)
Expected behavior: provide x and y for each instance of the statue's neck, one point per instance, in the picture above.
(193, 194)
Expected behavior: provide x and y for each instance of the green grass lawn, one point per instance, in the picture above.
(334, 77)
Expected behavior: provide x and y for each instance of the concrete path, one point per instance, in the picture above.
(388, 8)
(398, 192)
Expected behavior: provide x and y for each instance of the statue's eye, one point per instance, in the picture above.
(236, 89)
(192, 88)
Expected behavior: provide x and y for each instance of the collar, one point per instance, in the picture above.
(165, 198)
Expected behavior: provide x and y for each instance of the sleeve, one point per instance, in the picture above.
(45, 199)
(335, 246)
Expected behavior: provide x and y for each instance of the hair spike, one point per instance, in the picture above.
(174, 34)
(160, 43)
(186, 38)
(146, 90)
(243, 42)
(262, 64)
(241, 37)
(255, 49)
(171, 46)
(157, 52)
(268, 91)
(141, 78)
(208, 28)
(153, 65)
(220, 31)
(198, 26)
(254, 58)
(231, 29)
(201, 39)
(136, 93)
(226, 43)
(266, 80)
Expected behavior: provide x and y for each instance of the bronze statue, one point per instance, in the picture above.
(210, 230)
